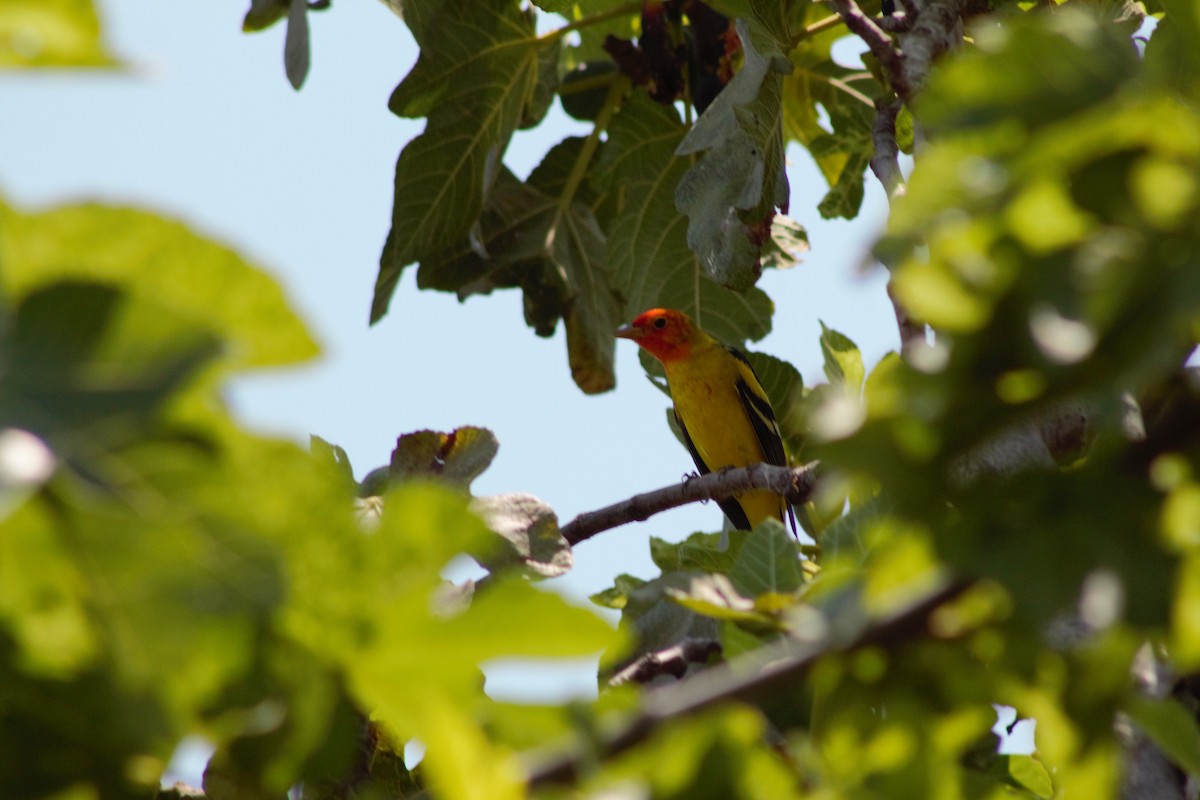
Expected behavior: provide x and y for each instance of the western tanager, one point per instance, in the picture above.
(721, 408)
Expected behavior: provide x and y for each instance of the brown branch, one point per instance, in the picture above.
(937, 28)
(882, 46)
(897, 23)
(794, 483)
(886, 161)
(673, 661)
(912, 331)
(760, 677)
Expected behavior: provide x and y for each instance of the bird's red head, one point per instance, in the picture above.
(667, 334)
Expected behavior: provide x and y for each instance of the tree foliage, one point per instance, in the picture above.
(1007, 511)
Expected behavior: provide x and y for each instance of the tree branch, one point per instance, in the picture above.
(936, 28)
(882, 46)
(886, 161)
(794, 483)
(673, 661)
(779, 667)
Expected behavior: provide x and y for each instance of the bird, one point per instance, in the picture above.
(722, 410)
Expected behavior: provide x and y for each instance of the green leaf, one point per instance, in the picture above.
(296, 54)
(843, 362)
(585, 88)
(768, 562)
(851, 146)
(617, 595)
(714, 596)
(90, 369)
(531, 235)
(462, 763)
(474, 80)
(789, 240)
(1172, 727)
(721, 753)
(1092, 58)
(262, 14)
(1029, 773)
(163, 262)
(710, 552)
(455, 458)
(648, 255)
(733, 191)
(335, 457)
(544, 91)
(52, 33)
(652, 618)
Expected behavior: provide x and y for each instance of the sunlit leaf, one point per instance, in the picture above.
(52, 33)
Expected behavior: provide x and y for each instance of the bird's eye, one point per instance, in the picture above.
(660, 323)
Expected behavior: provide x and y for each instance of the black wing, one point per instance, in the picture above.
(762, 418)
(732, 508)
(761, 415)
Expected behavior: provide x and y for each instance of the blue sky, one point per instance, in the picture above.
(203, 126)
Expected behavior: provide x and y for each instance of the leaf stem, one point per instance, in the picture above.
(579, 169)
(820, 26)
(595, 19)
(845, 87)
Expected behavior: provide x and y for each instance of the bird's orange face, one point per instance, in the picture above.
(667, 334)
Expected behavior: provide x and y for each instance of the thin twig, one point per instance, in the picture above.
(795, 483)
(820, 26)
(882, 46)
(760, 677)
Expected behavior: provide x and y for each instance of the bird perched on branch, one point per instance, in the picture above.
(721, 408)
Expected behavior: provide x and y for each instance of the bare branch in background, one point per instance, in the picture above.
(794, 483)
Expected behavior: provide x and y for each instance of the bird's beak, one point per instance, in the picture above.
(629, 332)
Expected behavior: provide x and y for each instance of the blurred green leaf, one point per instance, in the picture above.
(89, 368)
(843, 361)
(721, 754)
(161, 261)
(52, 33)
(263, 14)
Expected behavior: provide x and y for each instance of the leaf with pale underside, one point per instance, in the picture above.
(731, 193)
(530, 528)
